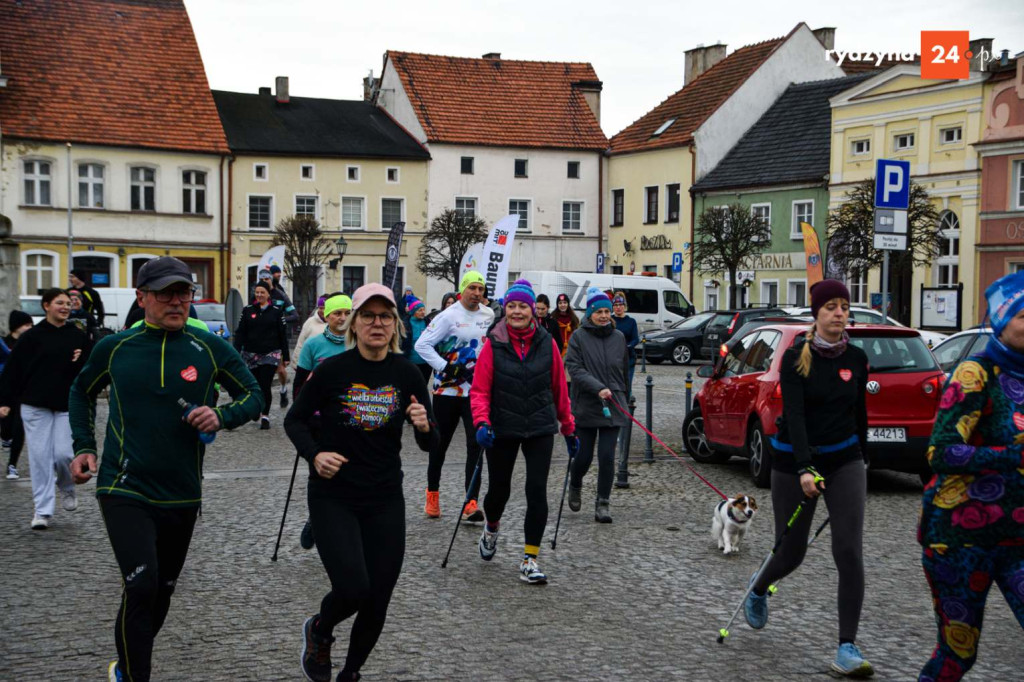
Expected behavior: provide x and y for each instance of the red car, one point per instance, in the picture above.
(735, 412)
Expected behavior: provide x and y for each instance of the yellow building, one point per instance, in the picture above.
(346, 163)
(933, 125)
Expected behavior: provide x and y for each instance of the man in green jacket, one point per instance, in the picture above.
(149, 482)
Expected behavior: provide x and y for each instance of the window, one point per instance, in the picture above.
(306, 205)
(392, 175)
(762, 349)
(663, 127)
(90, 185)
(143, 189)
(352, 213)
(466, 207)
(37, 183)
(764, 212)
(948, 354)
(710, 297)
(260, 212)
(260, 171)
(573, 170)
(672, 192)
(770, 293)
(903, 141)
(733, 363)
(641, 301)
(352, 173)
(675, 302)
(306, 171)
(39, 271)
(650, 205)
(399, 282)
(618, 207)
(616, 269)
(520, 168)
(797, 292)
(193, 192)
(950, 135)
(857, 281)
(803, 212)
(520, 207)
(947, 272)
(467, 165)
(352, 277)
(649, 268)
(1020, 185)
(860, 147)
(572, 216)
(390, 212)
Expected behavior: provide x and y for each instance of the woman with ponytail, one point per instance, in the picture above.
(820, 449)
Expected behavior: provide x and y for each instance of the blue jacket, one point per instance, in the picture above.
(627, 325)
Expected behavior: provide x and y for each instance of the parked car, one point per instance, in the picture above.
(33, 305)
(956, 348)
(726, 323)
(213, 315)
(735, 412)
(680, 342)
(860, 315)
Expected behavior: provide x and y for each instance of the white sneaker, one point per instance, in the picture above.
(40, 522)
(69, 500)
(530, 572)
(12, 473)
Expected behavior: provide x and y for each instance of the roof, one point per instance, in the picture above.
(312, 127)
(870, 64)
(790, 143)
(106, 72)
(500, 102)
(694, 103)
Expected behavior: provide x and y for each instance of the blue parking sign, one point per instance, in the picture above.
(892, 184)
(677, 262)
(600, 263)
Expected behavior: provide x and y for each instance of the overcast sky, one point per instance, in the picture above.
(326, 47)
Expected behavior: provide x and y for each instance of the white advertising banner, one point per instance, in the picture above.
(496, 255)
(273, 256)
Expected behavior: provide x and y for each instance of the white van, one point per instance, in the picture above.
(654, 302)
(116, 303)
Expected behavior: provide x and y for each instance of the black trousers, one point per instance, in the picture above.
(425, 370)
(501, 461)
(605, 438)
(448, 410)
(14, 430)
(362, 546)
(150, 544)
(265, 378)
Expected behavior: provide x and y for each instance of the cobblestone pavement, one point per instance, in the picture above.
(641, 598)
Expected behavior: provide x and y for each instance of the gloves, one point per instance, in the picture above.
(485, 436)
(572, 444)
(454, 371)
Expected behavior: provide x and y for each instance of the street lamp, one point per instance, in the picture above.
(342, 246)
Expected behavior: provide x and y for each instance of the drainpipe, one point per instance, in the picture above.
(600, 201)
(693, 216)
(227, 227)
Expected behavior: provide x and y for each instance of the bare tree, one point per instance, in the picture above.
(727, 236)
(445, 243)
(306, 248)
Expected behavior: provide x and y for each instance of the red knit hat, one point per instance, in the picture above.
(824, 291)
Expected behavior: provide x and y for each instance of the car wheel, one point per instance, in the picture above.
(696, 442)
(760, 456)
(682, 354)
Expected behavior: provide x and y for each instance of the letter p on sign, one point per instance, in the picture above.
(892, 184)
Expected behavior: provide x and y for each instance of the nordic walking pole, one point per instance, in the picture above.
(724, 632)
(287, 500)
(772, 589)
(565, 486)
(465, 501)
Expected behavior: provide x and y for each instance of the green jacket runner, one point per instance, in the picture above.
(149, 453)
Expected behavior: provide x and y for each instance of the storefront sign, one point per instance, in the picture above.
(775, 261)
(656, 243)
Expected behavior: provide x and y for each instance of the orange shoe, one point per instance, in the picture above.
(433, 506)
(471, 512)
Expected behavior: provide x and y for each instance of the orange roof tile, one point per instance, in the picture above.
(108, 72)
(500, 102)
(694, 103)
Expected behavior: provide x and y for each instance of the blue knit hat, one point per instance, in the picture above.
(412, 304)
(1005, 299)
(597, 299)
(522, 291)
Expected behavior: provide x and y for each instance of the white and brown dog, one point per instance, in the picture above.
(730, 521)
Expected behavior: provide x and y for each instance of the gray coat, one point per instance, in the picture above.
(597, 358)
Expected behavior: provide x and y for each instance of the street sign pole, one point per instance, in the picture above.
(892, 201)
(885, 287)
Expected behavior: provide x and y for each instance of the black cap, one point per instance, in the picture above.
(160, 273)
(18, 318)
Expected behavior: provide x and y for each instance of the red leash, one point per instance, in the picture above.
(670, 450)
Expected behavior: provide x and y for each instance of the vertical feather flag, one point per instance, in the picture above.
(812, 251)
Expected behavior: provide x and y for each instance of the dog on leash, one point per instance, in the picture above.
(730, 521)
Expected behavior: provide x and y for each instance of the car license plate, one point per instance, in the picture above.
(887, 434)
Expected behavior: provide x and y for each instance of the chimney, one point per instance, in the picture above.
(369, 87)
(826, 36)
(492, 55)
(265, 91)
(981, 53)
(591, 91)
(281, 85)
(700, 59)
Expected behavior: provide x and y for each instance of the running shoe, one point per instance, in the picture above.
(12, 473)
(488, 544)
(40, 522)
(529, 572)
(850, 663)
(472, 513)
(284, 398)
(306, 540)
(316, 653)
(601, 513)
(264, 423)
(575, 497)
(113, 674)
(755, 608)
(69, 500)
(433, 506)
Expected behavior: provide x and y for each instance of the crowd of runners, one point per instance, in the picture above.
(515, 374)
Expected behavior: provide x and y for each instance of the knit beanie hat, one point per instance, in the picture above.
(338, 302)
(18, 318)
(412, 304)
(597, 299)
(471, 277)
(274, 269)
(522, 291)
(264, 274)
(1005, 299)
(824, 291)
(320, 301)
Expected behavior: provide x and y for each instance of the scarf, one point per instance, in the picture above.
(334, 338)
(521, 338)
(830, 350)
(1010, 361)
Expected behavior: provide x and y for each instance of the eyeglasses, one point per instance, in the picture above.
(164, 296)
(386, 319)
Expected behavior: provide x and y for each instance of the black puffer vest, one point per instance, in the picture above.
(522, 405)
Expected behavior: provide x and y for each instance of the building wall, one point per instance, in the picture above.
(392, 98)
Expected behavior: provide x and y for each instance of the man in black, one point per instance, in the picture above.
(91, 301)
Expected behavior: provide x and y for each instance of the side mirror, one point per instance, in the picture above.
(705, 371)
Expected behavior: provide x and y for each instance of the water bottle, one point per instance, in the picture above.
(605, 410)
(205, 437)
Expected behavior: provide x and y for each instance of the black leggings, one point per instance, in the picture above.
(14, 429)
(362, 547)
(448, 410)
(150, 544)
(265, 378)
(501, 460)
(845, 494)
(606, 438)
(425, 370)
